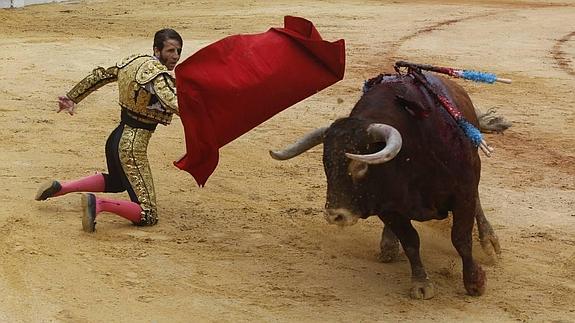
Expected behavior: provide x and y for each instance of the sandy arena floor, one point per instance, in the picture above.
(252, 245)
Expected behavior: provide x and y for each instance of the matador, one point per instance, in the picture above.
(147, 97)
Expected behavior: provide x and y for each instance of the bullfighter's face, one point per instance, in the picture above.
(170, 54)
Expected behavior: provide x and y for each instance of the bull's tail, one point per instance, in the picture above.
(490, 122)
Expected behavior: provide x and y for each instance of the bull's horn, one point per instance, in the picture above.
(305, 143)
(381, 132)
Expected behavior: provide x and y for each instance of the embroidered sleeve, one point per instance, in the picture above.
(95, 80)
(166, 92)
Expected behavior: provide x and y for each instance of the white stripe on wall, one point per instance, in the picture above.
(22, 3)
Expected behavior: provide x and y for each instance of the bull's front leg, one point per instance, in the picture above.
(421, 286)
(461, 237)
(389, 245)
(487, 237)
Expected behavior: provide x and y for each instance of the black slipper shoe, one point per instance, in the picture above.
(48, 190)
(89, 212)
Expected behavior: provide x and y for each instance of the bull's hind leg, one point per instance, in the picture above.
(461, 237)
(421, 286)
(389, 245)
(487, 237)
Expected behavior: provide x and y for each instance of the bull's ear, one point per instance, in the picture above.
(410, 97)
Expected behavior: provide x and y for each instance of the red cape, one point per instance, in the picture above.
(233, 85)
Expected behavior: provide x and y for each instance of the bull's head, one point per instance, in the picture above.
(350, 146)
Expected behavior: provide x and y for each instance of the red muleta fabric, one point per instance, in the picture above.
(233, 85)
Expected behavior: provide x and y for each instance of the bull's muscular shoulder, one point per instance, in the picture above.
(453, 87)
(457, 94)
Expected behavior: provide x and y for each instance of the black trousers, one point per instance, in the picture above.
(116, 180)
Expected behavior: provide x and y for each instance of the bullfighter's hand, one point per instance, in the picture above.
(65, 104)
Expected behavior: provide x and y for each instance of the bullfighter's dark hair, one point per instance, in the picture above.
(166, 34)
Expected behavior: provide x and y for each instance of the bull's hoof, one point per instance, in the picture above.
(475, 285)
(475, 289)
(490, 245)
(389, 254)
(422, 289)
(389, 246)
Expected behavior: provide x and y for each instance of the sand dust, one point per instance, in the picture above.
(252, 245)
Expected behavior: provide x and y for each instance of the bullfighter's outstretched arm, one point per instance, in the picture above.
(99, 77)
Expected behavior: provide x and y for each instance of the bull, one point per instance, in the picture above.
(400, 156)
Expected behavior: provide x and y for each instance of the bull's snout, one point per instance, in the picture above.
(341, 217)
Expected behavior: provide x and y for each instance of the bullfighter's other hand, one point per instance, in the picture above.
(66, 104)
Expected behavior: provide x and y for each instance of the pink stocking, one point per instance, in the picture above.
(126, 209)
(93, 183)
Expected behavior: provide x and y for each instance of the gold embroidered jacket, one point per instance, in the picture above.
(146, 89)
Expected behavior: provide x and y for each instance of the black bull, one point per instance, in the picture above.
(399, 155)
